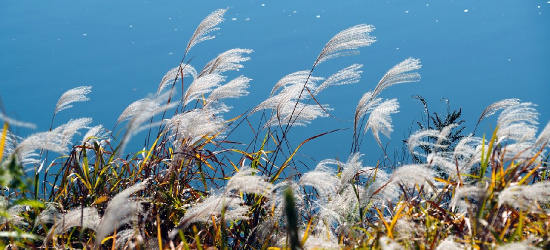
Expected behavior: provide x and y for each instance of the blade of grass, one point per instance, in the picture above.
(285, 164)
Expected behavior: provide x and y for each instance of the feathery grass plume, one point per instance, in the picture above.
(526, 197)
(120, 210)
(444, 161)
(10, 142)
(321, 239)
(95, 135)
(246, 181)
(523, 245)
(323, 179)
(16, 123)
(56, 140)
(348, 75)
(208, 25)
(419, 138)
(285, 112)
(297, 80)
(289, 93)
(396, 75)
(367, 101)
(412, 174)
(494, 107)
(226, 199)
(229, 60)
(77, 94)
(212, 206)
(171, 75)
(406, 176)
(233, 89)
(346, 42)
(466, 193)
(87, 217)
(518, 123)
(202, 85)
(399, 74)
(544, 136)
(389, 244)
(130, 238)
(467, 152)
(380, 119)
(141, 105)
(11, 214)
(50, 214)
(189, 127)
(141, 111)
(449, 243)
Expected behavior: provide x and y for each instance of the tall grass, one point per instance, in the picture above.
(192, 187)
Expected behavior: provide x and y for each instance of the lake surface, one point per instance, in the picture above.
(473, 53)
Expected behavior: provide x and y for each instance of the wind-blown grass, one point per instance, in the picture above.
(194, 186)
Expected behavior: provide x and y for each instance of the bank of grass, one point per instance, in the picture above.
(194, 188)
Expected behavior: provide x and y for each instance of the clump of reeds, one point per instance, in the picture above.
(193, 188)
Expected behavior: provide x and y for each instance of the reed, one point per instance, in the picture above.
(193, 188)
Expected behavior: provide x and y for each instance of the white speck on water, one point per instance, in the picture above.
(406, 11)
(263, 4)
(170, 53)
(396, 48)
(247, 19)
(295, 11)
(84, 34)
(509, 59)
(538, 7)
(318, 16)
(466, 11)
(169, 18)
(427, 5)
(234, 19)
(131, 26)
(437, 20)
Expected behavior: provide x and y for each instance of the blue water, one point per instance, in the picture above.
(473, 53)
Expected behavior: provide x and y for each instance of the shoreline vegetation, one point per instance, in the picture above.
(193, 188)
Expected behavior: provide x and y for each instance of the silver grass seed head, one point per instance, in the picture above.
(518, 123)
(226, 61)
(191, 126)
(233, 89)
(346, 42)
(120, 210)
(173, 74)
(207, 26)
(86, 217)
(348, 75)
(544, 136)
(16, 123)
(323, 179)
(494, 107)
(400, 73)
(141, 105)
(77, 94)
(246, 181)
(300, 113)
(380, 119)
(56, 140)
(297, 80)
(201, 86)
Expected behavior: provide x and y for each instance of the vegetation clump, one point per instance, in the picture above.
(193, 188)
